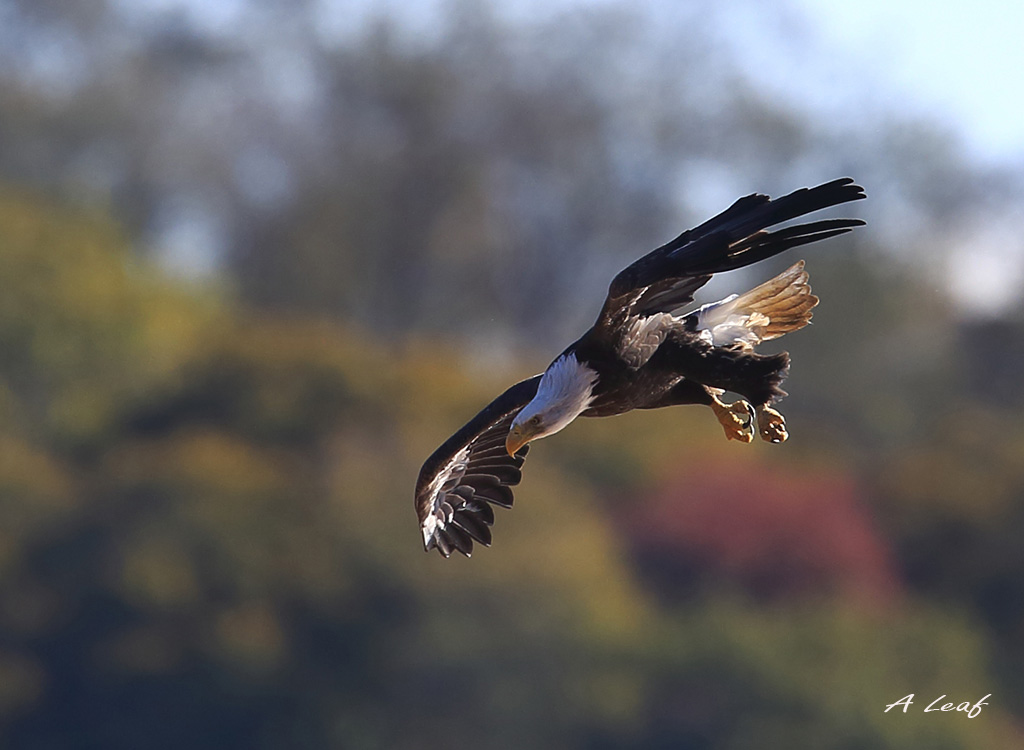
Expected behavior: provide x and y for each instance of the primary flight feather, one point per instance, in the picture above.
(643, 354)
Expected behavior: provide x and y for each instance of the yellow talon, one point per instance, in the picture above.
(736, 419)
(771, 425)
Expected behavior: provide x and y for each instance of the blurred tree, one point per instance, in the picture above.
(85, 331)
(221, 552)
(206, 537)
(485, 179)
(813, 676)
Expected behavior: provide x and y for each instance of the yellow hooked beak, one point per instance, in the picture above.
(518, 436)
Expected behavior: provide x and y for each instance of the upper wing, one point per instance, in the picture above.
(667, 278)
(468, 473)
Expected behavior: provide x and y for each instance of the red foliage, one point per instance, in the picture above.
(775, 532)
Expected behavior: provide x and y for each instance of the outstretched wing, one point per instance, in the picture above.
(643, 294)
(469, 473)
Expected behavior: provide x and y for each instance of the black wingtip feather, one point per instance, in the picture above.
(460, 540)
(443, 545)
(483, 510)
(498, 494)
(715, 245)
(473, 526)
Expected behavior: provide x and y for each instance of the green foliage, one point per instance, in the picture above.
(84, 327)
(733, 676)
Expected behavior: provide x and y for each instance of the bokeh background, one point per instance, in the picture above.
(260, 257)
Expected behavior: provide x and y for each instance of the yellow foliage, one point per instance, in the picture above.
(157, 571)
(36, 493)
(204, 465)
(31, 475)
(969, 467)
(252, 635)
(85, 324)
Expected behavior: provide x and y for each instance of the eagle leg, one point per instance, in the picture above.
(771, 425)
(737, 418)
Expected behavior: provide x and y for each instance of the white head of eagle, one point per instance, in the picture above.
(564, 392)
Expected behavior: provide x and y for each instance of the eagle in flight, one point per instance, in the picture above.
(644, 354)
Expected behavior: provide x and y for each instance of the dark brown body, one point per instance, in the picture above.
(680, 372)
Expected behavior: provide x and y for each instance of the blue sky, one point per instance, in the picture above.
(963, 62)
(959, 64)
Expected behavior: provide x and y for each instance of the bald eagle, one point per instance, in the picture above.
(642, 353)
